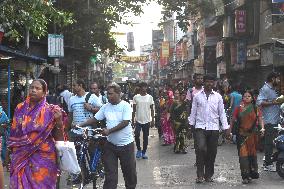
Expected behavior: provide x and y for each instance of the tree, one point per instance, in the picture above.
(18, 16)
(187, 9)
(95, 19)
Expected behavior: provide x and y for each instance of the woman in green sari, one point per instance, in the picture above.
(179, 115)
(247, 118)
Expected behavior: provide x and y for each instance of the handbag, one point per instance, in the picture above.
(67, 158)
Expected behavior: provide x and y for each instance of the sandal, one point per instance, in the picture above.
(199, 180)
(245, 181)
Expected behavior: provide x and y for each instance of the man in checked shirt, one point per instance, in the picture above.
(207, 109)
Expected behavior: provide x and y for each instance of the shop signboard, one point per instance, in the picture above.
(55, 45)
(240, 21)
(277, 1)
(241, 52)
(278, 8)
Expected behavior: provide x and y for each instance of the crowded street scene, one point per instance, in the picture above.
(146, 94)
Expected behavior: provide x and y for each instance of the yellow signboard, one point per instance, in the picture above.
(134, 59)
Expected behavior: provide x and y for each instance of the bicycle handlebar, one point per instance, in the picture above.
(97, 131)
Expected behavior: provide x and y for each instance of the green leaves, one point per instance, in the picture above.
(34, 15)
(95, 19)
(187, 9)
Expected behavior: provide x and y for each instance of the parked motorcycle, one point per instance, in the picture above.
(278, 156)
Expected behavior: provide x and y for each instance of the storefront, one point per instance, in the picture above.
(16, 70)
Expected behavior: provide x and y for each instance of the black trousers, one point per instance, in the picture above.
(125, 154)
(145, 129)
(206, 149)
(269, 135)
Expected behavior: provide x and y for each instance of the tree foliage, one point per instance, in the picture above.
(95, 19)
(17, 16)
(187, 9)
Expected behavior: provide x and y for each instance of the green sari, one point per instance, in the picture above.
(179, 117)
(247, 139)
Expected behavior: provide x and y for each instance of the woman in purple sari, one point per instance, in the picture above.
(36, 125)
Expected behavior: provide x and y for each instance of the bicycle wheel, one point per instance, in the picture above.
(99, 176)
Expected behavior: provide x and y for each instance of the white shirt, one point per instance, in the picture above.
(115, 114)
(206, 113)
(143, 108)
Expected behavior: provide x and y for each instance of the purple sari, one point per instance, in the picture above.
(33, 153)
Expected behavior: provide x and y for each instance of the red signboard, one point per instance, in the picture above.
(240, 21)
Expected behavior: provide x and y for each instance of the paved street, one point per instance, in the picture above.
(164, 170)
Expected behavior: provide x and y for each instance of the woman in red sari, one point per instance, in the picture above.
(247, 117)
(35, 126)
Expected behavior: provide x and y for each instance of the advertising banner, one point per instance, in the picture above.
(165, 49)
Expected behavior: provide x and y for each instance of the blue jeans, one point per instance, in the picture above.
(145, 129)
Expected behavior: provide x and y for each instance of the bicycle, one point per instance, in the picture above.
(92, 169)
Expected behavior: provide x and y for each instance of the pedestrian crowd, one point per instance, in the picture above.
(205, 110)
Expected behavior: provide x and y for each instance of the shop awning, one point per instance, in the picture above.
(15, 54)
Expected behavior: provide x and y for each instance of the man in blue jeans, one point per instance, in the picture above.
(143, 111)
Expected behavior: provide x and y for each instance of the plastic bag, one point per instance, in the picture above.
(66, 153)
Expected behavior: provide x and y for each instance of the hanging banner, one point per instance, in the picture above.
(240, 21)
(165, 49)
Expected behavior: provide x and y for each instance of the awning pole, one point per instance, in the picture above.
(9, 91)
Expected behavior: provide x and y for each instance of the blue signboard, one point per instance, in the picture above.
(277, 1)
(241, 52)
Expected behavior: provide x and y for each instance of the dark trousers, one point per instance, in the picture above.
(269, 135)
(145, 129)
(206, 150)
(125, 154)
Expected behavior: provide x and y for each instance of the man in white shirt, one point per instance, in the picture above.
(143, 111)
(120, 141)
(94, 89)
(207, 109)
(66, 94)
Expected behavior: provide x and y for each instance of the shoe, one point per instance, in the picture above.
(144, 156)
(270, 168)
(139, 154)
(199, 180)
(183, 152)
